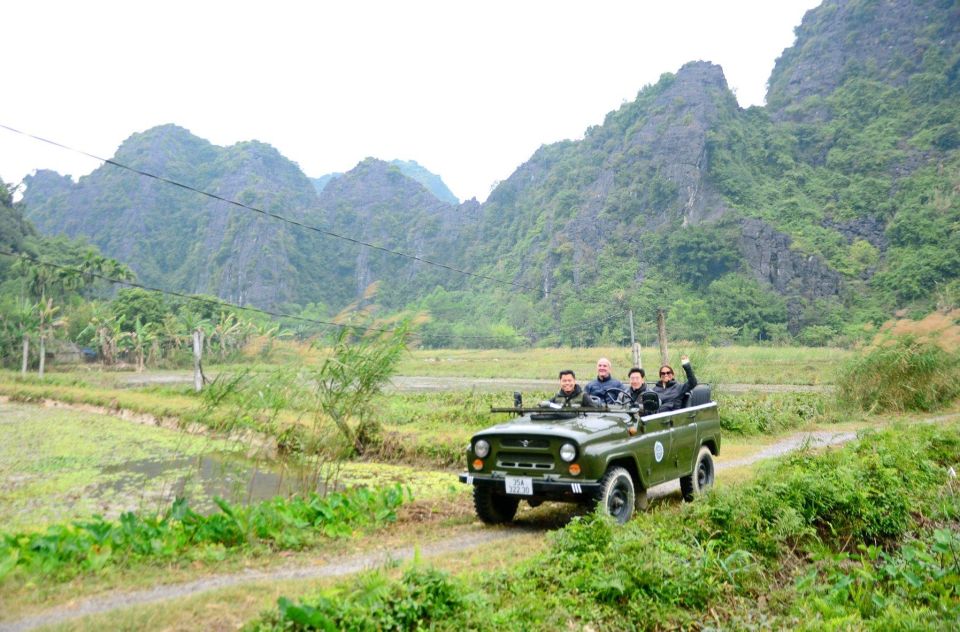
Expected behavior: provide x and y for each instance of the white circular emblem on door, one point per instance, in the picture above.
(658, 451)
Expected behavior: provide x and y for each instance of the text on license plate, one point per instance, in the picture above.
(520, 485)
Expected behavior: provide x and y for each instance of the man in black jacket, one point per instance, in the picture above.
(670, 391)
(598, 388)
(570, 392)
(637, 384)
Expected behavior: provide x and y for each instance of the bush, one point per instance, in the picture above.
(421, 596)
(901, 374)
(66, 550)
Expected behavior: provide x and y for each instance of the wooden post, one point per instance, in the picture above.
(197, 352)
(662, 335)
(634, 345)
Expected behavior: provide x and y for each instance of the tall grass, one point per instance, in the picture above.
(901, 373)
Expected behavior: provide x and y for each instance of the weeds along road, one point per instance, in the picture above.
(476, 537)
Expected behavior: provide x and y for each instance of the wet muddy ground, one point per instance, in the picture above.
(61, 464)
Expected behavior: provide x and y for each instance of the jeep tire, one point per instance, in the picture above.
(493, 507)
(616, 495)
(701, 479)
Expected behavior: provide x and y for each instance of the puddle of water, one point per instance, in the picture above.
(202, 478)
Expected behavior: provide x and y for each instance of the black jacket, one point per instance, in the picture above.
(577, 398)
(635, 393)
(671, 394)
(598, 388)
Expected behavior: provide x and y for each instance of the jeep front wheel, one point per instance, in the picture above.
(701, 479)
(616, 494)
(494, 508)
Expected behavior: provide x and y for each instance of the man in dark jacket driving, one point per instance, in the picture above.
(670, 391)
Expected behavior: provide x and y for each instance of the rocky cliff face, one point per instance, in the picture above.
(891, 41)
(644, 169)
(377, 204)
(177, 238)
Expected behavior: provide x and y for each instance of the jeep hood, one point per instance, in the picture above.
(582, 429)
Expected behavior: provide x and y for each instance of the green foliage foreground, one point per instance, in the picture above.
(66, 550)
(866, 537)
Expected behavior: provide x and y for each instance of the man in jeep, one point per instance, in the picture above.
(570, 392)
(605, 382)
(637, 384)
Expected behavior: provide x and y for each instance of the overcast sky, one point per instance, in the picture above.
(467, 89)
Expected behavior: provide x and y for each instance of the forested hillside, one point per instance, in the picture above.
(827, 210)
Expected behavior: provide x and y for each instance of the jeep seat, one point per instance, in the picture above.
(699, 395)
(650, 402)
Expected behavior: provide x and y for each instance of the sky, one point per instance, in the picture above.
(469, 90)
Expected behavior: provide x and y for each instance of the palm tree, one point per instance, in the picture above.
(24, 321)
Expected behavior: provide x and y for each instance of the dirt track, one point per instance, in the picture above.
(118, 600)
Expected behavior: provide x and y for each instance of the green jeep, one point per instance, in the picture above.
(609, 455)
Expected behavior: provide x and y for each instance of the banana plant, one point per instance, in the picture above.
(141, 338)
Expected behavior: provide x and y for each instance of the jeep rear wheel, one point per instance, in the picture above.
(492, 507)
(616, 494)
(701, 479)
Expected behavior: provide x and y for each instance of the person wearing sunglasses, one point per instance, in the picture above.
(670, 391)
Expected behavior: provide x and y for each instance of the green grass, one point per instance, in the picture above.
(864, 537)
(720, 365)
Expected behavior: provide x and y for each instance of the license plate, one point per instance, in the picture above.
(519, 485)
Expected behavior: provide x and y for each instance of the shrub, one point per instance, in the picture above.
(901, 374)
(66, 550)
(421, 596)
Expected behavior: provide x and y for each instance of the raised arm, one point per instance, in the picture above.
(691, 382)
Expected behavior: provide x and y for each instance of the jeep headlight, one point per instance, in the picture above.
(568, 452)
(481, 448)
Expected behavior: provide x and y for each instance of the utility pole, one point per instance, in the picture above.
(634, 345)
(662, 335)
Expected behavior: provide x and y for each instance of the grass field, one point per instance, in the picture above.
(720, 365)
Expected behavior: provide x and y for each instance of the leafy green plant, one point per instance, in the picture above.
(421, 596)
(66, 550)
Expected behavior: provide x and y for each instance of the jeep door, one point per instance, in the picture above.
(656, 448)
(685, 441)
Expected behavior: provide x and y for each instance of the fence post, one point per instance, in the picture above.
(662, 335)
(634, 345)
(197, 352)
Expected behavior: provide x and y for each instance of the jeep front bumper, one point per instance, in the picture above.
(541, 487)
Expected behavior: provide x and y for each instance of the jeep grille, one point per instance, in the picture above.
(525, 442)
(525, 461)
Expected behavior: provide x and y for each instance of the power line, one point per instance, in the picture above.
(276, 216)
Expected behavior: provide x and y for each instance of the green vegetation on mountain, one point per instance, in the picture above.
(813, 218)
